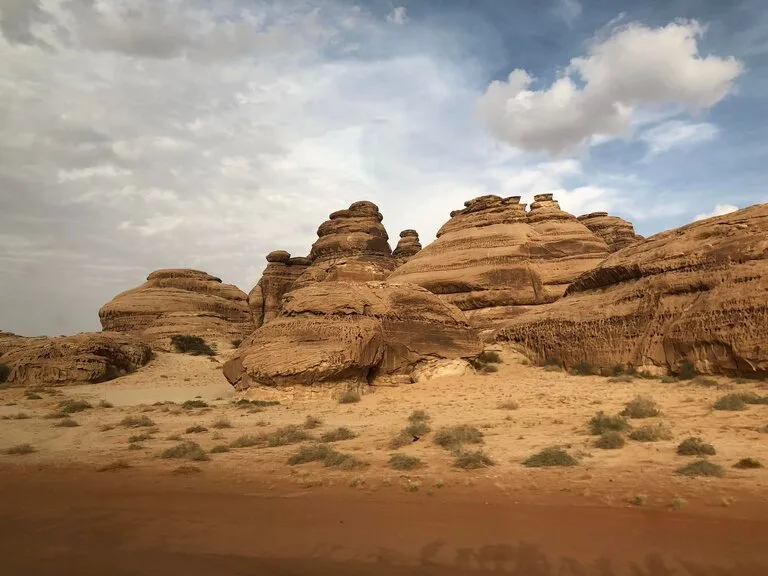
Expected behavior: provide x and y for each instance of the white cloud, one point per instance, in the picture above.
(599, 94)
(398, 16)
(719, 210)
(567, 10)
(677, 134)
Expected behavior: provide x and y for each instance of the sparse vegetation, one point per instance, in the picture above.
(185, 470)
(137, 421)
(221, 423)
(404, 462)
(638, 500)
(5, 373)
(473, 460)
(623, 378)
(20, 449)
(245, 441)
(419, 416)
(584, 368)
(550, 457)
(186, 450)
(280, 437)
(349, 396)
(403, 438)
(641, 407)
(193, 345)
(651, 433)
(66, 423)
(730, 402)
(196, 429)
(705, 382)
(32, 396)
(702, 468)
(687, 371)
(55, 415)
(219, 449)
(140, 437)
(454, 437)
(747, 464)
(610, 440)
(245, 403)
(191, 404)
(338, 434)
(486, 362)
(73, 406)
(312, 422)
(325, 454)
(601, 422)
(17, 416)
(508, 405)
(695, 446)
(417, 429)
(115, 466)
(668, 379)
(678, 503)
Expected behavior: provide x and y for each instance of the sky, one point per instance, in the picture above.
(137, 134)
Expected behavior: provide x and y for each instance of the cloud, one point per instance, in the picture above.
(719, 210)
(398, 16)
(600, 93)
(677, 134)
(567, 10)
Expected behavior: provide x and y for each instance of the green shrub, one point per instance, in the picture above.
(473, 460)
(137, 421)
(73, 406)
(687, 371)
(695, 446)
(193, 345)
(404, 462)
(338, 434)
(601, 422)
(651, 433)
(747, 464)
(196, 429)
(186, 450)
(702, 468)
(610, 440)
(349, 396)
(640, 407)
(550, 457)
(5, 373)
(454, 437)
(191, 404)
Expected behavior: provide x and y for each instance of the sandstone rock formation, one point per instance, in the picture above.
(351, 246)
(617, 232)
(278, 279)
(180, 301)
(335, 331)
(696, 294)
(407, 247)
(79, 359)
(492, 259)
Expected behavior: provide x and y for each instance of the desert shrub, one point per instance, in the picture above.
(601, 422)
(485, 363)
(695, 446)
(66, 423)
(73, 406)
(140, 437)
(325, 454)
(191, 404)
(55, 415)
(20, 449)
(687, 371)
(404, 462)
(508, 405)
(196, 429)
(748, 464)
(417, 429)
(489, 357)
(418, 416)
(186, 450)
(702, 468)
(115, 466)
(338, 434)
(312, 422)
(584, 368)
(610, 440)
(17, 416)
(454, 437)
(280, 437)
(668, 379)
(752, 398)
(32, 396)
(624, 378)
(185, 470)
(137, 421)
(343, 461)
(705, 382)
(245, 441)
(617, 370)
(5, 373)
(730, 402)
(193, 345)
(550, 457)
(641, 407)
(552, 368)
(349, 396)
(221, 423)
(651, 433)
(219, 449)
(473, 460)
(403, 438)
(236, 343)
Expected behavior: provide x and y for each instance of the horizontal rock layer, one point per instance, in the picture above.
(278, 279)
(617, 232)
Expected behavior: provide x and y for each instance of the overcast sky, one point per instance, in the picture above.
(140, 134)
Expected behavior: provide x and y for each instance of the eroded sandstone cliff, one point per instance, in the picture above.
(407, 247)
(617, 232)
(278, 279)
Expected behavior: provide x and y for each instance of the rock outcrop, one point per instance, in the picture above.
(617, 232)
(180, 301)
(351, 246)
(697, 294)
(347, 331)
(79, 359)
(278, 279)
(407, 247)
(492, 259)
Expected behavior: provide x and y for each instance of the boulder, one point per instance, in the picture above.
(617, 232)
(180, 301)
(79, 359)
(695, 295)
(493, 259)
(278, 279)
(407, 247)
(351, 246)
(347, 331)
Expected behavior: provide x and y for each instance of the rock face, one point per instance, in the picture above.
(492, 259)
(179, 301)
(335, 331)
(351, 246)
(407, 247)
(697, 294)
(278, 279)
(617, 232)
(79, 359)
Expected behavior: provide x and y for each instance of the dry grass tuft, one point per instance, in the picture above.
(748, 464)
(186, 450)
(550, 457)
(312, 422)
(641, 407)
(137, 422)
(404, 462)
(702, 468)
(338, 435)
(601, 422)
(20, 449)
(695, 446)
(651, 433)
(610, 440)
(196, 429)
(473, 460)
(454, 437)
(115, 466)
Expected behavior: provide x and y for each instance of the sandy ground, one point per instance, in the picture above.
(554, 408)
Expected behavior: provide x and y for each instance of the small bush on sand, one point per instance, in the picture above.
(325, 454)
(221, 423)
(143, 437)
(601, 422)
(245, 441)
(705, 382)
(193, 345)
(473, 460)
(508, 405)
(5, 373)
(404, 462)
(641, 407)
(418, 416)
(245, 403)
(137, 421)
(651, 433)
(747, 464)
(730, 402)
(280, 437)
(702, 468)
(115, 466)
(417, 429)
(338, 435)
(66, 423)
(191, 404)
(220, 449)
(32, 396)
(55, 415)
(342, 461)
(454, 437)
(550, 457)
(73, 406)
(20, 449)
(624, 378)
(486, 362)
(584, 369)
(186, 450)
(687, 371)
(196, 429)
(312, 422)
(610, 440)
(752, 398)
(349, 396)
(403, 438)
(185, 470)
(695, 446)
(17, 416)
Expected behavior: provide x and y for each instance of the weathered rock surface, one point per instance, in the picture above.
(79, 359)
(335, 331)
(278, 278)
(352, 245)
(696, 294)
(407, 247)
(492, 259)
(180, 301)
(617, 232)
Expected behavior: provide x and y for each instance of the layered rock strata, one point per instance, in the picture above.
(407, 247)
(278, 279)
(617, 232)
